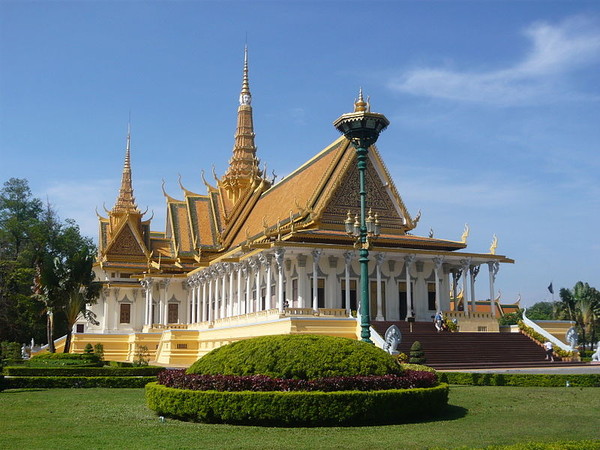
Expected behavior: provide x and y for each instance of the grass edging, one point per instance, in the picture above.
(520, 379)
(294, 409)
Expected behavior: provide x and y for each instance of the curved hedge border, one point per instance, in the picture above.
(75, 382)
(146, 371)
(293, 409)
(520, 379)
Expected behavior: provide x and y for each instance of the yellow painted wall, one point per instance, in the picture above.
(181, 347)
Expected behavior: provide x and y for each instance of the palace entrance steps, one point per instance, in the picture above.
(469, 350)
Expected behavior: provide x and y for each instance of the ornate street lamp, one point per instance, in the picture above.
(362, 128)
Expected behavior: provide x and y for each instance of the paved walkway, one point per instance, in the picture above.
(592, 368)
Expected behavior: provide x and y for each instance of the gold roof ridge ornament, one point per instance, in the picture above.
(465, 234)
(494, 245)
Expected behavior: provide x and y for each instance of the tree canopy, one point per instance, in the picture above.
(46, 273)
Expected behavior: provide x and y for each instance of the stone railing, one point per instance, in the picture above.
(171, 326)
(555, 341)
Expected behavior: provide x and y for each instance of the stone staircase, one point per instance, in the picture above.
(464, 350)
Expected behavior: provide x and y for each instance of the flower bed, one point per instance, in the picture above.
(261, 383)
(298, 380)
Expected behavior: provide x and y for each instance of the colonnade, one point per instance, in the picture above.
(276, 280)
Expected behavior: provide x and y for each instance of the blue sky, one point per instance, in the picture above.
(494, 109)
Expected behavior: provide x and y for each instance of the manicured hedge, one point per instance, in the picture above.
(65, 359)
(293, 409)
(410, 379)
(145, 371)
(297, 356)
(75, 382)
(520, 379)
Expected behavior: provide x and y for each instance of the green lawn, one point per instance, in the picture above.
(118, 418)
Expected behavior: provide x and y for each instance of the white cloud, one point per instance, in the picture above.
(556, 50)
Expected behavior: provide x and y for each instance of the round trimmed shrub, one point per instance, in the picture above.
(297, 356)
(417, 355)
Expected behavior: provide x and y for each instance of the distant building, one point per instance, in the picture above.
(251, 244)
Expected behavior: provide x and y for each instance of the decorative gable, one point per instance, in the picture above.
(380, 199)
(126, 244)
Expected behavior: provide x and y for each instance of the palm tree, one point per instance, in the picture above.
(78, 288)
(582, 305)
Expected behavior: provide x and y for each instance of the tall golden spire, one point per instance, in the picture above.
(243, 170)
(126, 201)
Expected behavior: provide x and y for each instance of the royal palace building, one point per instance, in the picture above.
(252, 250)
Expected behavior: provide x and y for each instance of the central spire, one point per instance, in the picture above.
(126, 200)
(243, 171)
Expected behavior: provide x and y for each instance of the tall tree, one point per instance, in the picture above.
(38, 251)
(19, 214)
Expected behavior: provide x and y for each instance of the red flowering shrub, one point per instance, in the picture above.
(261, 383)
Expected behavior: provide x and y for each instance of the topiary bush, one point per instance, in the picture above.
(417, 355)
(302, 357)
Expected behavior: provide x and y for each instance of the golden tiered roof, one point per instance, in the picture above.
(244, 211)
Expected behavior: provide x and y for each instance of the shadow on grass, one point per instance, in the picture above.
(18, 391)
(451, 412)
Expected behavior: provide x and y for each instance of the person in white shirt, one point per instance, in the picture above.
(549, 351)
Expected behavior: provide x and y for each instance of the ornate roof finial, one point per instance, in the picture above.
(243, 171)
(245, 96)
(360, 104)
(126, 200)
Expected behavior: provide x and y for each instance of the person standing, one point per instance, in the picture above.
(549, 351)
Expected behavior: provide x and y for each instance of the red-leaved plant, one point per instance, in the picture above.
(409, 379)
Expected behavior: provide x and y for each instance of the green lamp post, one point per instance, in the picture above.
(362, 128)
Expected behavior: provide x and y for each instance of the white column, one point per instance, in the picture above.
(465, 263)
(192, 284)
(302, 279)
(379, 261)
(279, 252)
(247, 276)
(223, 275)
(347, 261)
(105, 309)
(493, 266)
(240, 268)
(316, 254)
(210, 298)
(408, 260)
(437, 265)
(165, 285)
(230, 272)
(257, 266)
(474, 270)
(268, 262)
(203, 316)
(147, 284)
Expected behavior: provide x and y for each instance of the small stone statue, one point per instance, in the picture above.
(392, 340)
(596, 356)
(572, 337)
